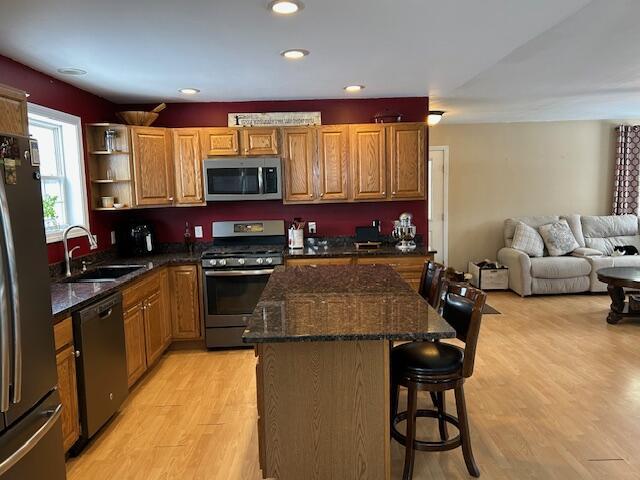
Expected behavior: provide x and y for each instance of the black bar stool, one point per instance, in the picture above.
(431, 282)
(437, 367)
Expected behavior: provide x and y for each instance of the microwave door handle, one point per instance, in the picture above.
(7, 233)
(260, 181)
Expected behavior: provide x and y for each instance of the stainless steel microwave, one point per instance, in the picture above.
(257, 178)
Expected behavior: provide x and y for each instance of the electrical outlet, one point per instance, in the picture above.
(113, 238)
(198, 231)
(95, 237)
(312, 227)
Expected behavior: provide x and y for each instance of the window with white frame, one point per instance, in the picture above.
(64, 196)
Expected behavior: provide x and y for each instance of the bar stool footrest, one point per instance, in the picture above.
(427, 446)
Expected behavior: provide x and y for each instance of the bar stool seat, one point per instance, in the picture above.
(426, 358)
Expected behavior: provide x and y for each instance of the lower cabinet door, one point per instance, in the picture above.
(185, 302)
(154, 327)
(67, 387)
(165, 297)
(135, 342)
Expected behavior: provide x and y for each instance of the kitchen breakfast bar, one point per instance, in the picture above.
(322, 338)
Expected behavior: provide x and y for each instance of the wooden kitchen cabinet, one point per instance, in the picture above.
(13, 111)
(298, 160)
(135, 342)
(259, 141)
(185, 302)
(67, 384)
(314, 262)
(187, 161)
(165, 295)
(368, 162)
(220, 141)
(406, 160)
(152, 166)
(154, 336)
(333, 162)
(409, 267)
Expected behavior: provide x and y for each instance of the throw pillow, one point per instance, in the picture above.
(528, 240)
(558, 238)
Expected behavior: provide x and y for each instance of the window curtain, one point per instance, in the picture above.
(627, 174)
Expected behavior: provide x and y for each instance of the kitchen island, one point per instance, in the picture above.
(322, 338)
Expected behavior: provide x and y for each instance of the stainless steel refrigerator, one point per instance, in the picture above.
(30, 424)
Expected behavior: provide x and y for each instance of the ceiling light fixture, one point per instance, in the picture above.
(354, 88)
(189, 91)
(285, 7)
(434, 117)
(72, 71)
(295, 53)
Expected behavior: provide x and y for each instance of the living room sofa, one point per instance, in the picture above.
(597, 236)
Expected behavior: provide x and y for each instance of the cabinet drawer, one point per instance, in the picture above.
(141, 289)
(63, 334)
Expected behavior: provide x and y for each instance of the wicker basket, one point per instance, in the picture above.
(140, 118)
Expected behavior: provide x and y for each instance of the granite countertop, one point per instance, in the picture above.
(67, 297)
(349, 250)
(342, 302)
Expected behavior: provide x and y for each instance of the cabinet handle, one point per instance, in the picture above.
(384, 193)
(170, 199)
(393, 193)
(322, 194)
(76, 354)
(311, 195)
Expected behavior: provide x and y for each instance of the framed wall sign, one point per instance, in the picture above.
(274, 119)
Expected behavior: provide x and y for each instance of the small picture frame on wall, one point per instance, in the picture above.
(35, 152)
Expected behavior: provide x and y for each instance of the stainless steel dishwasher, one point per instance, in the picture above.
(98, 332)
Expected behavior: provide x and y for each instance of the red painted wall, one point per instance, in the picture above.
(49, 92)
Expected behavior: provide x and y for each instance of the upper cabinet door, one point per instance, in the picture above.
(368, 163)
(333, 161)
(220, 141)
(13, 111)
(407, 161)
(297, 157)
(259, 141)
(188, 167)
(152, 165)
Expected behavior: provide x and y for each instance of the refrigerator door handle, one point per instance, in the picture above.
(29, 445)
(5, 333)
(15, 297)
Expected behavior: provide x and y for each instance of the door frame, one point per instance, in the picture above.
(445, 199)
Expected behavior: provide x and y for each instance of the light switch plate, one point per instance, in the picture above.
(113, 238)
(198, 231)
(312, 227)
(95, 237)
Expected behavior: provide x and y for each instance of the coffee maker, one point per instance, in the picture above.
(134, 239)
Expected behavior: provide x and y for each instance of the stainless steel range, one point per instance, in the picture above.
(236, 271)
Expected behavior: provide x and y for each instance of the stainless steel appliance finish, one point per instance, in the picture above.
(98, 333)
(30, 430)
(242, 178)
(68, 253)
(235, 273)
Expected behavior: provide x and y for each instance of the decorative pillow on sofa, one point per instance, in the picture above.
(528, 240)
(558, 238)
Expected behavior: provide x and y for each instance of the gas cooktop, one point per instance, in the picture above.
(243, 250)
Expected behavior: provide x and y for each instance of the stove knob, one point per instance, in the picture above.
(259, 261)
(222, 262)
(212, 262)
(269, 260)
(241, 261)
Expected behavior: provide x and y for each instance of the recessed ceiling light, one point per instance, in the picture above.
(72, 71)
(285, 7)
(434, 117)
(295, 53)
(189, 91)
(354, 88)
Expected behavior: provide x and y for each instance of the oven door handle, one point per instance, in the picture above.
(237, 273)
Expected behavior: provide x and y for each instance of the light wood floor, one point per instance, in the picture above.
(555, 395)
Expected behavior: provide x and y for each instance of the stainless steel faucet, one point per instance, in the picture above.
(68, 253)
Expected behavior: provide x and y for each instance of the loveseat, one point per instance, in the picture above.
(596, 236)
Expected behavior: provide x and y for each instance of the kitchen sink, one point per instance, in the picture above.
(104, 274)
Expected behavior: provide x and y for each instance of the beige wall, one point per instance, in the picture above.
(514, 169)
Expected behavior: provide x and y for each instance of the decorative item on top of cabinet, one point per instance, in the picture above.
(368, 162)
(185, 302)
(297, 156)
(152, 166)
(220, 141)
(67, 384)
(406, 160)
(188, 167)
(259, 141)
(13, 111)
(333, 162)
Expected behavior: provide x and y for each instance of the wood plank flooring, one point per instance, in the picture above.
(555, 395)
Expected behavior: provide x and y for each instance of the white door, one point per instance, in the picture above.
(438, 201)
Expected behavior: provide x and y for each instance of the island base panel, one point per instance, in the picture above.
(323, 410)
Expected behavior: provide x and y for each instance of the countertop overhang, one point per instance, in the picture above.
(342, 302)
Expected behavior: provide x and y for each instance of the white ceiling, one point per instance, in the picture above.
(489, 60)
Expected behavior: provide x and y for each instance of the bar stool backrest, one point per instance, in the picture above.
(462, 308)
(431, 282)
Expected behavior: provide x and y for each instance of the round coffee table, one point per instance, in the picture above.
(616, 279)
